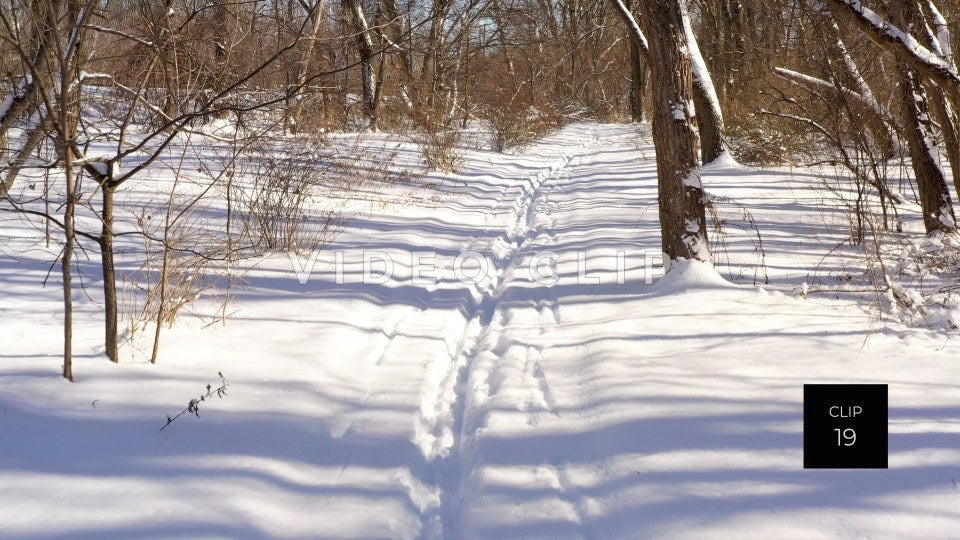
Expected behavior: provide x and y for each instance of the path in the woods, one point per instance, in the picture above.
(587, 407)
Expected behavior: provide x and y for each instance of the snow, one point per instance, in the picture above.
(505, 408)
(632, 24)
(699, 67)
(7, 102)
(907, 41)
(690, 275)
(725, 161)
(942, 33)
(679, 111)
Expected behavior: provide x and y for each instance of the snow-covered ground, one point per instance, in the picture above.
(584, 407)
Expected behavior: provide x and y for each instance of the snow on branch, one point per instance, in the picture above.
(942, 33)
(810, 80)
(632, 26)
(699, 67)
(901, 43)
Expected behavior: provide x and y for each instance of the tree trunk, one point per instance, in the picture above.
(639, 58)
(66, 260)
(931, 184)
(638, 83)
(109, 275)
(431, 72)
(392, 32)
(366, 48)
(68, 112)
(682, 212)
(943, 112)
(705, 100)
(19, 159)
(938, 40)
(292, 122)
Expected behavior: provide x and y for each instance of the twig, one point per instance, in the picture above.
(193, 407)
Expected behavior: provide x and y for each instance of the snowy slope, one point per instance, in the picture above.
(581, 408)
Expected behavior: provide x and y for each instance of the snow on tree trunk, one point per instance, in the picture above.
(296, 108)
(931, 182)
(636, 35)
(682, 212)
(938, 38)
(639, 57)
(934, 195)
(366, 47)
(709, 114)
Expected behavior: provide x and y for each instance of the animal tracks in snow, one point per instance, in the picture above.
(489, 367)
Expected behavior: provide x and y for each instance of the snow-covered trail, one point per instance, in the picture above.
(586, 407)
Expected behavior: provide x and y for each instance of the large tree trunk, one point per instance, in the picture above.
(682, 212)
(938, 40)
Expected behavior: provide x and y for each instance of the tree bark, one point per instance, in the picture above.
(639, 57)
(682, 211)
(638, 83)
(938, 40)
(931, 184)
(943, 112)
(366, 47)
(109, 275)
(67, 259)
(705, 100)
(292, 122)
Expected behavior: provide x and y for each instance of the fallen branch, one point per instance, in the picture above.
(193, 407)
